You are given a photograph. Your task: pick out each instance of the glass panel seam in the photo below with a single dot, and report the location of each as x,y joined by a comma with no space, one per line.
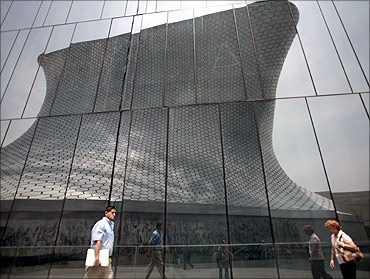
335,47
19,182
225,191
303,51
321,157
64,199
266,188
240,56
255,53
350,42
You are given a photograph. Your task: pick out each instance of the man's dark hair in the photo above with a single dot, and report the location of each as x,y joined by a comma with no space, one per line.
308,228
109,208
159,224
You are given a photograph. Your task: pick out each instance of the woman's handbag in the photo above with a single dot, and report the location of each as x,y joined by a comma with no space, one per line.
349,256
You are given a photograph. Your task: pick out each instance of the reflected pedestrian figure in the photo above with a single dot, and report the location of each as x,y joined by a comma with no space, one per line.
155,251
222,258
187,258
316,255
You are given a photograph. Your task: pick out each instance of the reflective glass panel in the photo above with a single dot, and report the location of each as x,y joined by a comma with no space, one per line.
131,64
13,155
274,33
342,127
142,6
253,261
17,93
7,260
357,28
48,77
131,7
218,67
180,76
7,42
192,4
82,69
41,16
47,168
247,199
295,180
151,6
114,9
366,99
248,54
21,15
167,5
85,10
4,127
58,12
13,58
327,72
114,66
69,262
196,212
127,260
353,70
144,186
32,262
149,85
60,38
5,5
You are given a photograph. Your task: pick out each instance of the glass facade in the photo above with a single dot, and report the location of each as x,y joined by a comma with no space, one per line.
235,123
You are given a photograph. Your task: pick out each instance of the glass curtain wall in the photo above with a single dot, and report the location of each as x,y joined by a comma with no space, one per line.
233,123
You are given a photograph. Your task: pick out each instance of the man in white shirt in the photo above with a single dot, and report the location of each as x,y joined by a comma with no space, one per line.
102,237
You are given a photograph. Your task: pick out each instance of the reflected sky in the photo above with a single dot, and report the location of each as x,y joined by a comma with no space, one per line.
293,138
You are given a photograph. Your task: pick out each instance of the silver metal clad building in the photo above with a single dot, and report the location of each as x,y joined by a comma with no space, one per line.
176,114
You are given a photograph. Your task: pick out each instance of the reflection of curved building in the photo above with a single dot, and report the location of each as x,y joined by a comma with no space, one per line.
81,80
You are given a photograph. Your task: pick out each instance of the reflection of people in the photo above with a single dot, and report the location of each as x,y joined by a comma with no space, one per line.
316,255
341,239
222,258
155,250
102,237
261,250
187,258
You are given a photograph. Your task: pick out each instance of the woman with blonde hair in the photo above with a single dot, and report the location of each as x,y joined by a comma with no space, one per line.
340,239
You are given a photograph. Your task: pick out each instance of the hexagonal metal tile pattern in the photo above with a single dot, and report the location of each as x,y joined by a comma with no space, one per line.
283,192
13,157
243,166
53,64
218,67
120,165
195,173
47,168
274,31
149,79
194,156
145,178
248,54
91,173
110,89
131,70
180,85
79,82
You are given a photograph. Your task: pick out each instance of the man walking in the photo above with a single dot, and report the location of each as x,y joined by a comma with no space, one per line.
156,242
102,237
316,256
